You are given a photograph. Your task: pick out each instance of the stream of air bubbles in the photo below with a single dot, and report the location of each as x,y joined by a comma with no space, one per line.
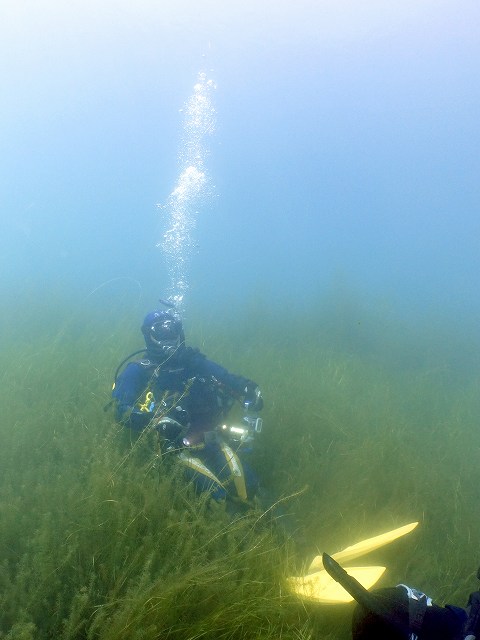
181,209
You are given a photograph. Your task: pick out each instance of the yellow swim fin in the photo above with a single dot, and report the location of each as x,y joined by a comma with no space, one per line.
320,587
363,547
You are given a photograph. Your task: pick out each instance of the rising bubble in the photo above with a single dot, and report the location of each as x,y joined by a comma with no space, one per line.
184,201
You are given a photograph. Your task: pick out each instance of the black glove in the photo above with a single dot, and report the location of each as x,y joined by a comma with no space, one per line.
170,429
173,426
253,397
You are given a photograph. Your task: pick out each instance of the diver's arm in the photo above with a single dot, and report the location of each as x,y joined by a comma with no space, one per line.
126,393
241,388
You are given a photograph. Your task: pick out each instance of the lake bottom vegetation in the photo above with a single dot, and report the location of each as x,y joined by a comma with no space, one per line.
370,422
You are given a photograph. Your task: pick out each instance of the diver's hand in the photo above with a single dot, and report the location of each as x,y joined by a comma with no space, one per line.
169,428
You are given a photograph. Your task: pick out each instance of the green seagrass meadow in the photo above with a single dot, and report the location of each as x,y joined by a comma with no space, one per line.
370,422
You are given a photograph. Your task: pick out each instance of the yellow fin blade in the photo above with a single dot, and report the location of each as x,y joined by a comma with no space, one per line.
363,547
320,587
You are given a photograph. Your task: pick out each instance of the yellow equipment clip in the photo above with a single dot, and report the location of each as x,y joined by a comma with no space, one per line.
147,406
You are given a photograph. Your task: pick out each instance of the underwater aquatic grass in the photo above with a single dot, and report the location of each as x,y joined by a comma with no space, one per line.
101,538
377,421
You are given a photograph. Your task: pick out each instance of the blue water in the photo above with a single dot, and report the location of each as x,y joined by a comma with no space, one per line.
345,148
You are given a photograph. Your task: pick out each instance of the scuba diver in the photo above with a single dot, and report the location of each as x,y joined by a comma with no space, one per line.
403,613
185,397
